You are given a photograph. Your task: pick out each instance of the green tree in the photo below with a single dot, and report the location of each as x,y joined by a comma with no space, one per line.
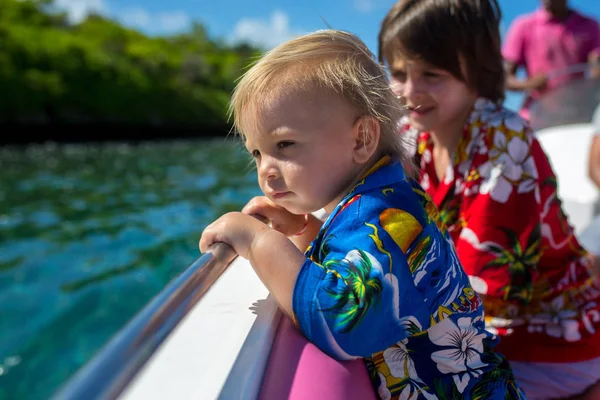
99,71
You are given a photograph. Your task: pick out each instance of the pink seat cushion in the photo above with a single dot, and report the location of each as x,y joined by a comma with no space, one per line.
298,370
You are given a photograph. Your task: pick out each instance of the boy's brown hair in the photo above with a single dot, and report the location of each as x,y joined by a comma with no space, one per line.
446,34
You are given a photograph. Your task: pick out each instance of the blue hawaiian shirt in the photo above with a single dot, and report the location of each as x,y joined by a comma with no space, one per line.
382,282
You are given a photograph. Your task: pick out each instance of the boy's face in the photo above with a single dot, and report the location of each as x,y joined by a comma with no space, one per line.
435,99
303,145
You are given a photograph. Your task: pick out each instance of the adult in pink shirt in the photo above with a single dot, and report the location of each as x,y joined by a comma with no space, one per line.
552,38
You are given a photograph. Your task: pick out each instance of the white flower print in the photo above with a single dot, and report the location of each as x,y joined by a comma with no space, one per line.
449,175
459,186
410,141
463,347
410,135
474,116
427,156
478,284
491,329
512,121
481,145
509,319
463,167
383,391
494,118
491,174
556,321
510,164
399,362
471,190
425,184
484,105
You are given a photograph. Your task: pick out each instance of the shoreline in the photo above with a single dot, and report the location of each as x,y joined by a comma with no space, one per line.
15,134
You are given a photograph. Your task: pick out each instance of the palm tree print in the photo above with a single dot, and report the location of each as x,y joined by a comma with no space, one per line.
358,293
522,262
502,376
449,210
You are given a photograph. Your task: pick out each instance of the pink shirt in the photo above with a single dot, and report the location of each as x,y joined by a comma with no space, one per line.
543,44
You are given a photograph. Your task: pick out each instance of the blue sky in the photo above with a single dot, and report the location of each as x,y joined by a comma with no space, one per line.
269,22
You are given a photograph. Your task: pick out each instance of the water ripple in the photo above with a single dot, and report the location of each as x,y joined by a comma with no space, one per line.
89,233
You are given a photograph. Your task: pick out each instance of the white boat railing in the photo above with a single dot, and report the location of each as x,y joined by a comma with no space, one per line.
573,102
571,69
108,374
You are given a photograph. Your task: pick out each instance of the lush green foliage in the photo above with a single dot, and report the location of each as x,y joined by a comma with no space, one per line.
99,71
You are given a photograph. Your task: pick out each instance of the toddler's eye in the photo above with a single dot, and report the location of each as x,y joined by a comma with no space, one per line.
255,153
284,144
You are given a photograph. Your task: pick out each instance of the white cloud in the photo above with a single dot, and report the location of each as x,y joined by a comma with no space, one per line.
173,21
264,33
78,10
166,22
364,6
136,17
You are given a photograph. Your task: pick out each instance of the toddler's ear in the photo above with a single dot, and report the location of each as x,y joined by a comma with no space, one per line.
368,132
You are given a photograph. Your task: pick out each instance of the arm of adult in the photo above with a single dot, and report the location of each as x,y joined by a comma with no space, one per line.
513,82
594,161
513,52
594,61
594,50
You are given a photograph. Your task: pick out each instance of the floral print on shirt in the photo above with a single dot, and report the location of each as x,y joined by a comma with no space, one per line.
382,281
499,202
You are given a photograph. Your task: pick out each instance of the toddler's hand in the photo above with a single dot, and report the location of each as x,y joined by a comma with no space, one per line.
280,218
235,229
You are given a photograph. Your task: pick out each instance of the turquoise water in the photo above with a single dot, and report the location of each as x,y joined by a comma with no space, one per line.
88,234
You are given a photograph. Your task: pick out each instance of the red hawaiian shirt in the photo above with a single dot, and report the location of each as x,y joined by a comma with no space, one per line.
499,202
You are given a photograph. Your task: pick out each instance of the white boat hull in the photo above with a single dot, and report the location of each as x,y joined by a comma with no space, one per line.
568,149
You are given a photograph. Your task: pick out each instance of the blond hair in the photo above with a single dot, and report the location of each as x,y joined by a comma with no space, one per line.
331,60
